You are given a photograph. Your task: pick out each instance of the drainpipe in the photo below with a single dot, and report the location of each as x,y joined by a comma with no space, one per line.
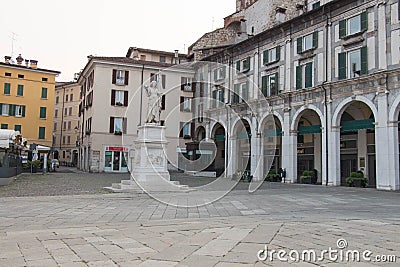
326,100
141,97
62,117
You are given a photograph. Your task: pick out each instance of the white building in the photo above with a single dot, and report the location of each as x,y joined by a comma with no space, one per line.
331,77
114,104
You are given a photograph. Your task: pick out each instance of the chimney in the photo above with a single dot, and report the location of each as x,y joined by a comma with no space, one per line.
26,62
34,64
19,59
135,53
176,56
7,59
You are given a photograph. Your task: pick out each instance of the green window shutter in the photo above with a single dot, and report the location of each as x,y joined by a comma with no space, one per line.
299,77
238,65
20,91
265,57
215,75
315,39
17,128
44,92
278,53
342,28
7,89
246,66
42,132
342,62
42,112
235,99
276,83
308,75
1,109
364,21
364,60
221,96
299,45
264,85
11,110
23,111
245,92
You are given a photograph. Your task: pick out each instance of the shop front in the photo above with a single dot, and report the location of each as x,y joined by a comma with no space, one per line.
116,159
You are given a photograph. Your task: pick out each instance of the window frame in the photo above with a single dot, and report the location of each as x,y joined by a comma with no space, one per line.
20,88
7,86
44,92
120,80
44,133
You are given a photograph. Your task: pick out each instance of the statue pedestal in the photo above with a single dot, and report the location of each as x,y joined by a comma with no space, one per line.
149,165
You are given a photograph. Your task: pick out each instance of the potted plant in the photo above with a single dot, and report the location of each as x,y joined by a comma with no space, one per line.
307,176
118,133
272,176
357,179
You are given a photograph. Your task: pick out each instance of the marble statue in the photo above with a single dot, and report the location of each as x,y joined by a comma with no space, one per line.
154,107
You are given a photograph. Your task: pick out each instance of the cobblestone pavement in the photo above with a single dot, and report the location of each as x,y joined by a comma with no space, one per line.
136,230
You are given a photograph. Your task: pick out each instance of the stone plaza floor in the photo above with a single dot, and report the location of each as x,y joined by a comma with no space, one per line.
73,227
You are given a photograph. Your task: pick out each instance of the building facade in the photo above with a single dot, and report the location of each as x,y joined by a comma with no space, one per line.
331,79
114,104
66,126
27,99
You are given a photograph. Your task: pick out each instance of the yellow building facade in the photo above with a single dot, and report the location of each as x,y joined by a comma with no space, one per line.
27,100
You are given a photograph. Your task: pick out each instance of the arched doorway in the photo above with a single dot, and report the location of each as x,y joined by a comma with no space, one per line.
272,146
309,147
200,133
357,142
219,137
242,134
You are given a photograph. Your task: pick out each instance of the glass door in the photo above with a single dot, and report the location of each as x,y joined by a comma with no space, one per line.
124,165
116,161
108,161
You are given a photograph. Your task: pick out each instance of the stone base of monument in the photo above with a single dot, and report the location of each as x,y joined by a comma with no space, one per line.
149,165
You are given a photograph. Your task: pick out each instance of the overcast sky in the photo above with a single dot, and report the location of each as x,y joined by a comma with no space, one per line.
61,34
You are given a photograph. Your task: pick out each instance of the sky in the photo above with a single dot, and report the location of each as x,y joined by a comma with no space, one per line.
61,34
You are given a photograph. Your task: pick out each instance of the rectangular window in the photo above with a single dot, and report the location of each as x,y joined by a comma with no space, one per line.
21,76
184,130
353,25
44,79
65,111
7,88
243,65
55,126
66,98
5,109
42,133
186,84
70,111
117,125
43,112
219,73
186,104
316,5
71,97
68,139
353,63
65,125
270,85
4,126
307,42
304,76
57,99
19,111
119,98
163,99
44,93
218,98
56,113
272,55
120,77
63,141
7,74
18,128
20,90
69,125
163,59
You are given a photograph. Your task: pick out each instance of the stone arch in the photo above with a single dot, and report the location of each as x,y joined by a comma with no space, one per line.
395,109
213,127
274,113
337,115
297,116
235,123
198,130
